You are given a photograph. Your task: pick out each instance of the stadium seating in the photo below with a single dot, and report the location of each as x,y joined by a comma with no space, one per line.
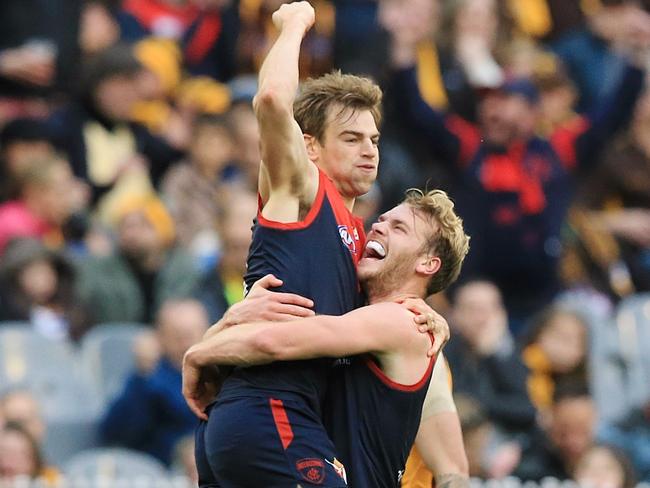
107,356
116,467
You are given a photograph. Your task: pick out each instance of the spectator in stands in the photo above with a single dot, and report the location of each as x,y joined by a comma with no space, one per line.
484,360
37,285
47,196
570,431
38,54
489,453
205,30
555,351
514,187
247,142
21,142
114,155
150,414
223,285
256,38
594,50
191,189
19,406
20,454
603,466
620,377
618,196
145,269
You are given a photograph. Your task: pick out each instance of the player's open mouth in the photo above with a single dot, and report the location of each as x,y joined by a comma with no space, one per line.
374,250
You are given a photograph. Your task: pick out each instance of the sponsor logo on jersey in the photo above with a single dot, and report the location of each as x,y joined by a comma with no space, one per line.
400,475
312,470
348,240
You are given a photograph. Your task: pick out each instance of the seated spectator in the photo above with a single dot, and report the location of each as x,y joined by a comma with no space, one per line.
21,142
603,466
47,196
489,454
37,285
620,374
20,454
19,406
191,189
151,414
556,351
569,431
223,285
483,359
145,269
114,155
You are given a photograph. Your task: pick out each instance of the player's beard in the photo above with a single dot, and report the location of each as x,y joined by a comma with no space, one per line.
392,275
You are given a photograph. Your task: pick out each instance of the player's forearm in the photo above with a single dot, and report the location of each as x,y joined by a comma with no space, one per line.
452,480
278,77
240,346
215,329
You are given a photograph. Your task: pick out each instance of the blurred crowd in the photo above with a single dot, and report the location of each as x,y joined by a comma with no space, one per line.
128,174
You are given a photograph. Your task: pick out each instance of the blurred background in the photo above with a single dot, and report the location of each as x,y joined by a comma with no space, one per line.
128,170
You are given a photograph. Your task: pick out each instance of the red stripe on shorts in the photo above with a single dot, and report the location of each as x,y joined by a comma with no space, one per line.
281,422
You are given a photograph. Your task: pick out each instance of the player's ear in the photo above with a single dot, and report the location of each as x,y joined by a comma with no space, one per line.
428,265
313,147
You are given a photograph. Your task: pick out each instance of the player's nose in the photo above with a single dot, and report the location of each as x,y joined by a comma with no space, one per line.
378,228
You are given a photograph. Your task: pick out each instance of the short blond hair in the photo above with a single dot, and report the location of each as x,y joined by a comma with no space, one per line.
449,242
317,95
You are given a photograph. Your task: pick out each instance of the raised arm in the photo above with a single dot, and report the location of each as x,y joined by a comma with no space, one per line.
285,165
609,115
408,29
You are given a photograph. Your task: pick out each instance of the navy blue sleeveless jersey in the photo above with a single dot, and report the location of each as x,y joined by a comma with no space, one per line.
315,258
373,421
265,429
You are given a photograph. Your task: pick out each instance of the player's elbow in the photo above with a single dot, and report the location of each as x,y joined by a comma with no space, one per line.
272,101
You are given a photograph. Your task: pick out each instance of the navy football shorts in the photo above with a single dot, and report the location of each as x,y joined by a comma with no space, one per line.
265,442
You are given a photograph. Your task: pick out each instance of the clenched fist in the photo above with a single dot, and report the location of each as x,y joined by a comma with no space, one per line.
298,14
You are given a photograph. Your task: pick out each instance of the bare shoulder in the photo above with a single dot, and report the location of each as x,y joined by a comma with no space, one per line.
399,321
389,312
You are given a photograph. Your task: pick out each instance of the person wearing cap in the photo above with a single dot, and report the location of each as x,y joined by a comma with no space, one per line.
513,185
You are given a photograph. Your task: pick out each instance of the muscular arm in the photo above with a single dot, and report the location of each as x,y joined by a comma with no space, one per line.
286,167
375,329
